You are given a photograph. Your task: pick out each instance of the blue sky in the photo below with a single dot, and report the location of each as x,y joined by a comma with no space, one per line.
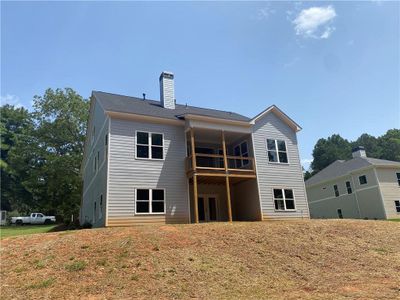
332,66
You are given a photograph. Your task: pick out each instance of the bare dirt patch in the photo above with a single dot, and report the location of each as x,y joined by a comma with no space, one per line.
277,260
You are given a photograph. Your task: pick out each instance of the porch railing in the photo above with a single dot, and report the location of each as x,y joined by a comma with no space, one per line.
215,162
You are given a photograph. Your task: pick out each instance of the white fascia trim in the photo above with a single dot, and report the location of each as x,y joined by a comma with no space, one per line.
339,177
279,113
137,117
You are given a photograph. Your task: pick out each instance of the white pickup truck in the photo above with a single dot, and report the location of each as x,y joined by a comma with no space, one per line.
34,218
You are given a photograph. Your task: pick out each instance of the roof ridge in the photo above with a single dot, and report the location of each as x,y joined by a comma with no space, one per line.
178,104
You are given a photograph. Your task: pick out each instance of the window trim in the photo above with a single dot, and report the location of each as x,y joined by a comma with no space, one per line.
149,145
284,199
277,151
336,190
359,179
349,187
241,154
397,206
150,201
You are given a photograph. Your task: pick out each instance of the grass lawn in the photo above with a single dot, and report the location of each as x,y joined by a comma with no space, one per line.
7,231
394,220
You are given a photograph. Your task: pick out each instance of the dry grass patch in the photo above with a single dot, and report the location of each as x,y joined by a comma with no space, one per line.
277,260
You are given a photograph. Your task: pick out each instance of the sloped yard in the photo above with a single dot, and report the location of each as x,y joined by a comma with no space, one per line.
328,259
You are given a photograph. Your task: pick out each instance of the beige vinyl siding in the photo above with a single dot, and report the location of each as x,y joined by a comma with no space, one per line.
273,175
365,201
128,173
95,182
245,201
390,190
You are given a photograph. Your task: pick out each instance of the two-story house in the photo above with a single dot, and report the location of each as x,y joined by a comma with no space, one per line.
360,188
149,161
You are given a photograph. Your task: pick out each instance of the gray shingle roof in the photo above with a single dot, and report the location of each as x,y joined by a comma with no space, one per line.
126,104
341,167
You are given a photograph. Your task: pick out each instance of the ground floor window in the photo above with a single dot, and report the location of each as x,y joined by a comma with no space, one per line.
284,199
397,205
340,214
150,201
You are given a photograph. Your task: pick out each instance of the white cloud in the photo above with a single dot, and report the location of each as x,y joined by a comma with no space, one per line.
315,22
11,99
306,162
265,12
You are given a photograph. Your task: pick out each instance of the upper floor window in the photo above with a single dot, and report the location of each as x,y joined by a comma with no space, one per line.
348,186
284,199
362,179
277,151
150,201
397,205
335,188
243,151
398,178
149,145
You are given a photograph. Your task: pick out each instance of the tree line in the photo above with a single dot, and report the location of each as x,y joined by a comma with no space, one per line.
41,154
333,148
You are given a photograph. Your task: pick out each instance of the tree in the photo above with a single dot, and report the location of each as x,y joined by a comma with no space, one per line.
326,151
370,143
15,124
335,147
51,155
390,145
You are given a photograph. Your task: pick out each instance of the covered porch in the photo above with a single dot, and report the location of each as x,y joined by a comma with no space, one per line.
222,176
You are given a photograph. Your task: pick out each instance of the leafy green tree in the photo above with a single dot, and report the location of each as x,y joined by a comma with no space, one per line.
15,123
51,155
326,151
370,143
390,145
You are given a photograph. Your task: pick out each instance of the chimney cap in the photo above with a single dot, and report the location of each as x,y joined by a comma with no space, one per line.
167,74
358,148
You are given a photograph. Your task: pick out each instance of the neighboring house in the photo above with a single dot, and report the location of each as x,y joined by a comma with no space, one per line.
139,165
360,188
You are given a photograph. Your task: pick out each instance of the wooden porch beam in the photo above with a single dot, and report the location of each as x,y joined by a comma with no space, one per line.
195,199
193,148
228,190
228,199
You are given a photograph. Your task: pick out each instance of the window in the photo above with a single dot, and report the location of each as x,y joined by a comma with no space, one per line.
101,207
94,212
340,214
149,145
150,201
335,188
277,151
397,205
398,178
284,199
362,179
94,163
105,146
348,186
98,159
241,150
